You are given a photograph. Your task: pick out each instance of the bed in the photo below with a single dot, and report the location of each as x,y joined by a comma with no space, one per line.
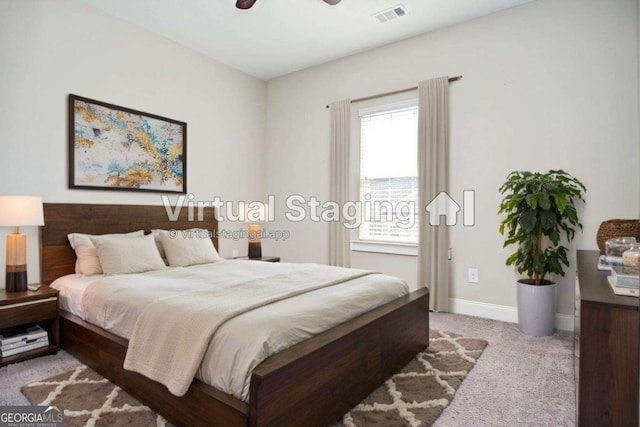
311,383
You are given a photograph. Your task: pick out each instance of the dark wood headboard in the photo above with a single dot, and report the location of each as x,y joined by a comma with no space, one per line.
57,258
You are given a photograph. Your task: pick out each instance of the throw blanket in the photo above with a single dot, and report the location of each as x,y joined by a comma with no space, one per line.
172,334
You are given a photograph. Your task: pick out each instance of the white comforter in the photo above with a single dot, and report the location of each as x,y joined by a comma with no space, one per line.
240,344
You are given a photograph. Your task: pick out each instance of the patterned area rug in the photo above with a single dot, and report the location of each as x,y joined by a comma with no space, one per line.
415,396
90,400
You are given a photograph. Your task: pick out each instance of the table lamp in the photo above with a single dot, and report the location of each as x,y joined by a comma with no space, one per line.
255,212
255,242
17,211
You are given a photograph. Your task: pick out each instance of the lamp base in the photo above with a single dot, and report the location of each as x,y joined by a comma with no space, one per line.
255,250
16,277
15,281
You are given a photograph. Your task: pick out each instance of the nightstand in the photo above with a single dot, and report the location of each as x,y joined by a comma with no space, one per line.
262,258
28,308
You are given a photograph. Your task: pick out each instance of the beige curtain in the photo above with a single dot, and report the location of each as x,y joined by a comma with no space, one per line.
339,241
433,162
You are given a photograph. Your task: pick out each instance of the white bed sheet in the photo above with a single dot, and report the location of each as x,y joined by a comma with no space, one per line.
243,342
71,288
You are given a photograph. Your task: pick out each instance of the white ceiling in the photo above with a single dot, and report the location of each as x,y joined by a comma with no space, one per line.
277,37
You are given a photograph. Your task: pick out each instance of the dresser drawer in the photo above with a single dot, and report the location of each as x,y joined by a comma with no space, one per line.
28,312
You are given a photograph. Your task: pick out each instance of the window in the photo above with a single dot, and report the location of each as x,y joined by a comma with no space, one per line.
389,173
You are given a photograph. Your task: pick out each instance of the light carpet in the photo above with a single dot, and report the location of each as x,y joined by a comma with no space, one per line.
519,380
415,396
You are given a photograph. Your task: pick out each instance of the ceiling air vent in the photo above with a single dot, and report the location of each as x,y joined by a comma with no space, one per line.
392,13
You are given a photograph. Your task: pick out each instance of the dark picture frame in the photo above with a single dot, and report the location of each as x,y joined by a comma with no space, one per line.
118,148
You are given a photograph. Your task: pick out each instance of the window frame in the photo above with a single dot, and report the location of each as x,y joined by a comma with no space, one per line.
379,105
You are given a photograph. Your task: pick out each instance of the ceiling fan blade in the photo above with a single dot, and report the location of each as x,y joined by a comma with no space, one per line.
246,4
332,2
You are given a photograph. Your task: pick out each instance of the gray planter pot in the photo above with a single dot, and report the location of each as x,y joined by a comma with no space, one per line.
536,309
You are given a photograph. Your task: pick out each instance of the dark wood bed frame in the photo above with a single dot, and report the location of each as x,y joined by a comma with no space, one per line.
312,383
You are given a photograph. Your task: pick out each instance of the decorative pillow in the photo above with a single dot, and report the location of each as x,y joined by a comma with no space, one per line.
189,247
129,255
87,262
157,236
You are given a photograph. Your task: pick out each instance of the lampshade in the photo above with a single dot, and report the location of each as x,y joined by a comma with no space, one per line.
16,211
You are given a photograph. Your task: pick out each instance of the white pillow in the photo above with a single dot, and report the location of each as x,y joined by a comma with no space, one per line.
87,261
157,236
128,255
188,247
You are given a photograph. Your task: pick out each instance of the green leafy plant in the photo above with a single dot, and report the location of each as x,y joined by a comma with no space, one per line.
540,208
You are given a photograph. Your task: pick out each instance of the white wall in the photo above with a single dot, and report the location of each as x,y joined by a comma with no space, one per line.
50,48
551,84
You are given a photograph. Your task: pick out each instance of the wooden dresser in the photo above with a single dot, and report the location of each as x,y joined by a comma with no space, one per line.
606,349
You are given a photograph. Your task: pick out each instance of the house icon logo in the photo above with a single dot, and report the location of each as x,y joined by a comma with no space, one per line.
444,205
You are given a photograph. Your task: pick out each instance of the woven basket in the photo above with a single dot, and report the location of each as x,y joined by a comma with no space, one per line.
617,228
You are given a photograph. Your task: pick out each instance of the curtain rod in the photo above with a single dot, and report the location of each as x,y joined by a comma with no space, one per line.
395,92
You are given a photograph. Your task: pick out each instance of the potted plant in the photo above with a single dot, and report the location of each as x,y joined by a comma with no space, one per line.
541,216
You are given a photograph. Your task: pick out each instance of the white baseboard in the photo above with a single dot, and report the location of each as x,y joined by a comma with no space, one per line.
504,313
565,322
483,309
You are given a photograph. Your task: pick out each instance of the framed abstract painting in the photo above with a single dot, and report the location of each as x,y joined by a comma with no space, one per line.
117,148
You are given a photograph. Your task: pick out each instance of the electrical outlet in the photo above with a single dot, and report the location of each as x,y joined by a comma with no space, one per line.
473,275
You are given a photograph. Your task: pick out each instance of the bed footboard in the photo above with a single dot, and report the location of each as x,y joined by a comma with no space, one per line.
317,381
104,352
